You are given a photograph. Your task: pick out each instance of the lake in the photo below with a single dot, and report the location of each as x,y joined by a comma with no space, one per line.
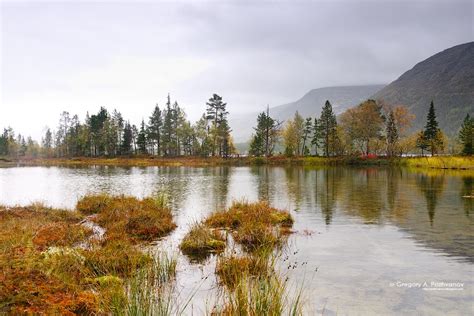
375,240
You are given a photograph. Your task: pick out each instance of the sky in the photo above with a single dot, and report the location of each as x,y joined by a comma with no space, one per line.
77,56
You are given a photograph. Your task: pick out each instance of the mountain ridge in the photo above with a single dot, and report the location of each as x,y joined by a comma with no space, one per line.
310,104
446,78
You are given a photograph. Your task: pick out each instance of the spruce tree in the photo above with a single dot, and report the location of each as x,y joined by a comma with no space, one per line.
466,136
328,126
141,139
127,139
266,135
155,126
431,129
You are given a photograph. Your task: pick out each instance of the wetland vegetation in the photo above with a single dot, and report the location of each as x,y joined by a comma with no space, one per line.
55,261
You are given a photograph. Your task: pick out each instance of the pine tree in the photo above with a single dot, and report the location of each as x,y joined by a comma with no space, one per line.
466,136
256,147
257,144
392,134
216,112
127,139
431,130
155,126
308,128
316,137
48,139
4,143
168,128
141,139
328,125
266,135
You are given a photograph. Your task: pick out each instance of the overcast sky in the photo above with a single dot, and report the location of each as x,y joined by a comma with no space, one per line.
79,56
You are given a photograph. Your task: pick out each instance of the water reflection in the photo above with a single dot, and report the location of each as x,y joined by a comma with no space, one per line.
431,187
467,194
327,191
374,225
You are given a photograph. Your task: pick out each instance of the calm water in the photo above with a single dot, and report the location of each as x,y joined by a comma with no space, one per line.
369,232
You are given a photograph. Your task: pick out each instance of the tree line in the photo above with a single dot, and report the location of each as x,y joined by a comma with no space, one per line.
167,132
371,128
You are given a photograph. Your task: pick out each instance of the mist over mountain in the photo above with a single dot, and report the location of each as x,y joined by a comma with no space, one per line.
310,104
447,78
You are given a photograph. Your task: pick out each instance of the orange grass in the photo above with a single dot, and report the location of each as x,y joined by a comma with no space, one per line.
43,271
145,219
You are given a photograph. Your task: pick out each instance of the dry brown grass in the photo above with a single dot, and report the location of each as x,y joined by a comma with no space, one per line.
145,219
43,272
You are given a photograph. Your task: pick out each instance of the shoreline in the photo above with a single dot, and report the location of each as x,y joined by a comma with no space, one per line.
438,162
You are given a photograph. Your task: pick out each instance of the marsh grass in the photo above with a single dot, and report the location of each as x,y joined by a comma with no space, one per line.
231,269
150,291
440,162
201,241
248,280
252,285
253,225
146,219
44,271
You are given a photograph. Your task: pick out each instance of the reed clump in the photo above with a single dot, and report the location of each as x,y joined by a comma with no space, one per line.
231,269
254,286
201,240
254,225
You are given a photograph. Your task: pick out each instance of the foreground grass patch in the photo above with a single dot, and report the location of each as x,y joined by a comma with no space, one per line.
252,285
44,267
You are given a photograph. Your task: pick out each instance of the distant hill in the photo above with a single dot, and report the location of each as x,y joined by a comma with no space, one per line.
310,104
447,78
